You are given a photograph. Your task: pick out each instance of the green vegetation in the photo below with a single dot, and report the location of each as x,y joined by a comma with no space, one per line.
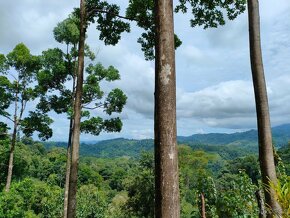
283,194
123,185
228,146
212,175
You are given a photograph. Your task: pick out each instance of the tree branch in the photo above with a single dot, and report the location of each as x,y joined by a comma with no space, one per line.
23,105
6,116
91,101
92,108
12,76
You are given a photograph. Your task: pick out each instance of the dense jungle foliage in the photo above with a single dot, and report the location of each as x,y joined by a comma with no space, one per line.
123,185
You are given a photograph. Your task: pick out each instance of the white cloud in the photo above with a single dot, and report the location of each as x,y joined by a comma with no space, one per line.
226,99
231,104
193,54
137,78
142,134
212,67
31,22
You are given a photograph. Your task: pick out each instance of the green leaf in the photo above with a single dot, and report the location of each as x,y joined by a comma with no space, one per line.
211,13
143,13
3,64
113,125
92,126
37,121
67,31
115,101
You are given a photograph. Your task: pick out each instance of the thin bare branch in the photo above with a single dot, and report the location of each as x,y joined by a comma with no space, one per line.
6,116
92,108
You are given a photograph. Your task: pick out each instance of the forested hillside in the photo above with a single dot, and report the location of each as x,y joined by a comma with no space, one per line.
124,186
137,69
227,145
281,136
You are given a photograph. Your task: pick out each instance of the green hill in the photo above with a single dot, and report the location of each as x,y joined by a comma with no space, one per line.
111,148
226,145
281,136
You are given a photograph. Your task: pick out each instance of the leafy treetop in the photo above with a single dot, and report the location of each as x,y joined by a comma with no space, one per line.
17,86
206,13
107,18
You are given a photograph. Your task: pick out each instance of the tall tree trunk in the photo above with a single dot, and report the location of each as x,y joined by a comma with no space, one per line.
12,145
202,205
68,153
77,116
166,161
11,155
68,167
266,156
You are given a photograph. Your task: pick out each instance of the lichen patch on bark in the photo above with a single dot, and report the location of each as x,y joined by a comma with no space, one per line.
165,74
171,156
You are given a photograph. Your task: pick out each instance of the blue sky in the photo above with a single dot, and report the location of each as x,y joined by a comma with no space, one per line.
214,87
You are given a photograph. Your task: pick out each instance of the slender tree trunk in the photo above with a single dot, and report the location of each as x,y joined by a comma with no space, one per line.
166,161
266,156
12,145
261,205
11,155
68,154
202,205
77,116
68,166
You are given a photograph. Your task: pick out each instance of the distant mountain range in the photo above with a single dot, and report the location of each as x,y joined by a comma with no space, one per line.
227,145
281,136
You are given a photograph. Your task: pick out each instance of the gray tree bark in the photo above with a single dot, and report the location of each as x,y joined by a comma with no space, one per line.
266,155
166,160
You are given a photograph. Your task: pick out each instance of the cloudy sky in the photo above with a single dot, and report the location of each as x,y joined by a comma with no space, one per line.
214,88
